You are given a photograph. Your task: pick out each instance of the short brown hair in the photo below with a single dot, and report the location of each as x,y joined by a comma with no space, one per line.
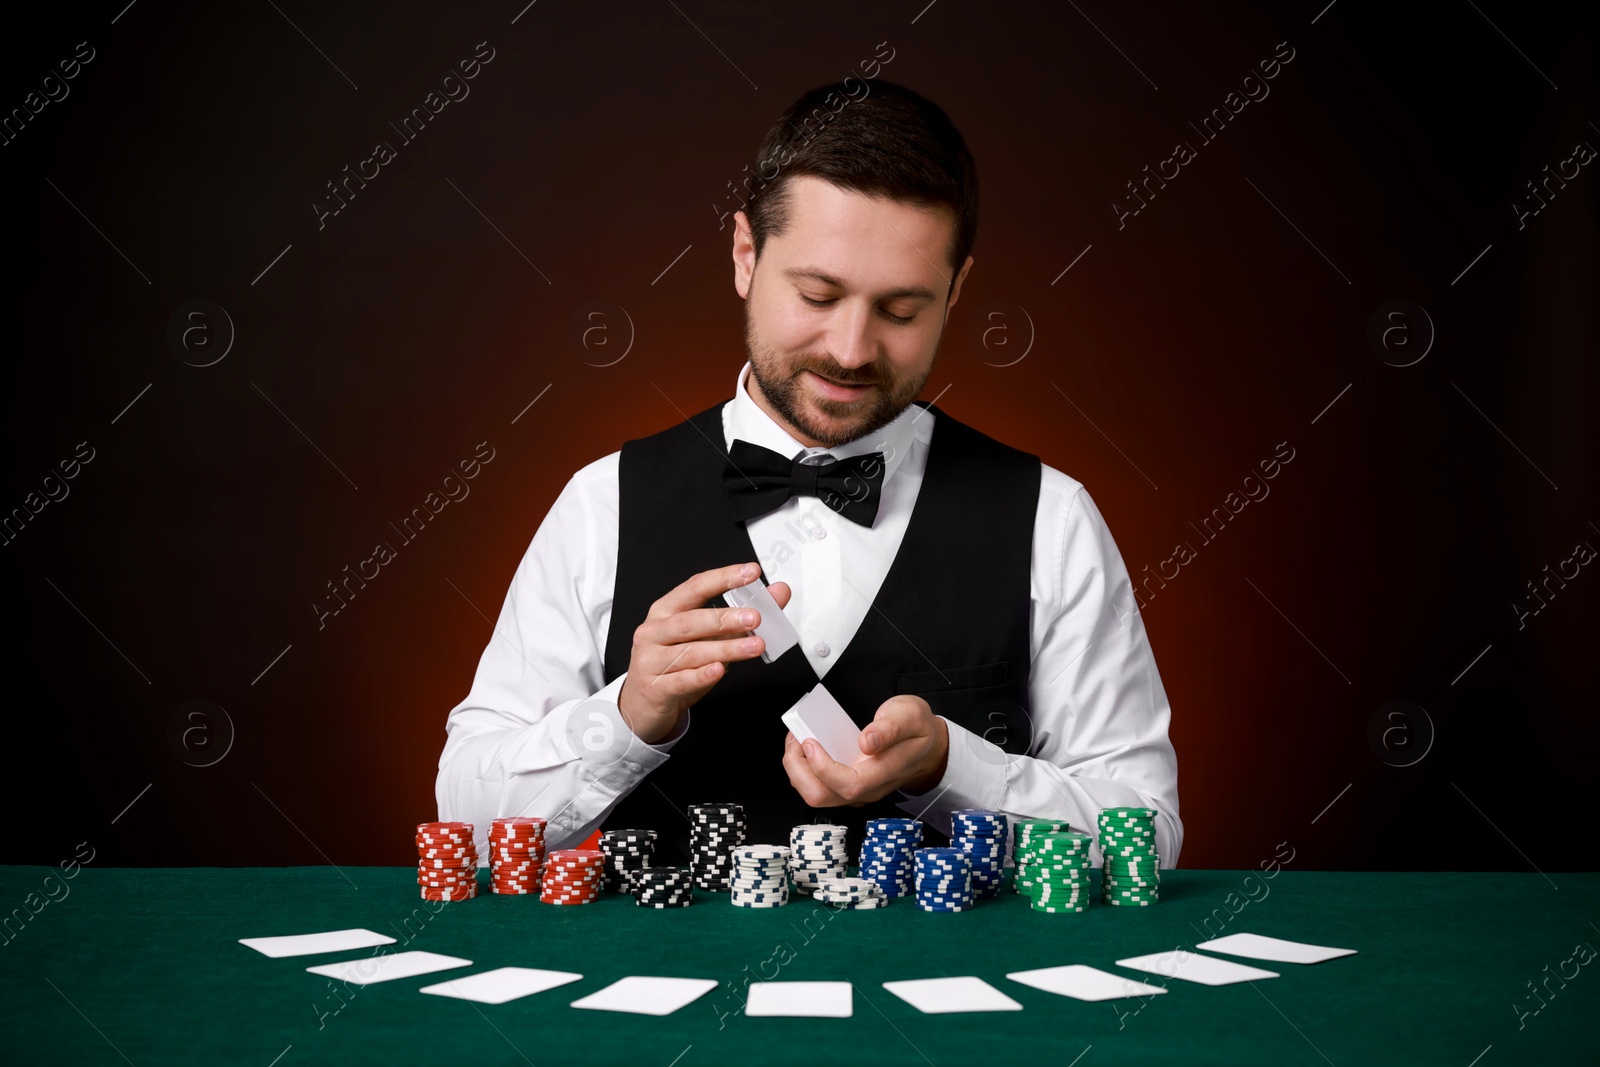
891,142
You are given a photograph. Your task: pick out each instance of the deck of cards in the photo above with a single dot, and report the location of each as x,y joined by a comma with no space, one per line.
818,716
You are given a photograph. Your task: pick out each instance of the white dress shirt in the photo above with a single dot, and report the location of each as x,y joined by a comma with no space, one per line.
1098,709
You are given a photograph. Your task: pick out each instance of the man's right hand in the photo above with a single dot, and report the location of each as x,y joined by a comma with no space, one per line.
680,649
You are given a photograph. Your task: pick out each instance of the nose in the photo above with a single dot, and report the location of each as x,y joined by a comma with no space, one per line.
851,343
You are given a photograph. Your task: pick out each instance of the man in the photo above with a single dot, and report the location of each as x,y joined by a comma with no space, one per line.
957,596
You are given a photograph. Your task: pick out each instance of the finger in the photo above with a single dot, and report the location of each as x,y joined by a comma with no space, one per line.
892,724
689,682
694,655
700,623
841,779
805,782
695,591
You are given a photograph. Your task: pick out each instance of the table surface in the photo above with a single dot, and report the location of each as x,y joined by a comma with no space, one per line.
144,966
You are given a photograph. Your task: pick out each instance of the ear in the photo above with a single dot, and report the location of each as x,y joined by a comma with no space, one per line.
955,290
744,255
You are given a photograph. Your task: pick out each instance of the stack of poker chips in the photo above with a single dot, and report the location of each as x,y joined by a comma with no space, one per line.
572,876
1058,867
858,894
886,855
1132,866
819,852
516,855
981,834
626,851
716,830
1024,831
662,887
447,861
944,879
760,876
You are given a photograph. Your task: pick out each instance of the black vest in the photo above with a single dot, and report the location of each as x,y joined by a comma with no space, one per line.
950,623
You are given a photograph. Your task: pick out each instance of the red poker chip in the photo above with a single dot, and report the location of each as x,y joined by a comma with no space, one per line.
424,827
586,854
512,822
447,865
429,893
557,891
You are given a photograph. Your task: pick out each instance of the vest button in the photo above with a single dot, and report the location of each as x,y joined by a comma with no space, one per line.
822,648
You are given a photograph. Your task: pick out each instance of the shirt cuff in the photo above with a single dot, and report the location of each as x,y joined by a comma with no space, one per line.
613,755
974,776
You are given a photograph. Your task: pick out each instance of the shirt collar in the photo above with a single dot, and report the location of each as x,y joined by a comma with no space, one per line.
744,420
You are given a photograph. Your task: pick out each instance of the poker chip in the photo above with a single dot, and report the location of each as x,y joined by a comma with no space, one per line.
626,851
663,887
981,834
516,855
760,876
855,894
1130,860
944,879
447,861
572,876
715,831
886,855
1023,833
1053,871
817,851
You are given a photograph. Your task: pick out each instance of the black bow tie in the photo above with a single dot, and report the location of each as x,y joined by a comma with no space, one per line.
757,480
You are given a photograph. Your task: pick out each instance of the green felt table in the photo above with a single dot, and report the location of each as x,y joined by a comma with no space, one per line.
144,966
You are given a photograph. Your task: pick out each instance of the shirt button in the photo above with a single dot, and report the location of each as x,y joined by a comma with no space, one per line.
819,533
822,648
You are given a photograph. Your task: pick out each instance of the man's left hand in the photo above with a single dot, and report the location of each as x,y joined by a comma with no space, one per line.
906,747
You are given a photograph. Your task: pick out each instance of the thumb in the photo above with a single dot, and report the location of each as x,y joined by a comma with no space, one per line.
884,730
780,593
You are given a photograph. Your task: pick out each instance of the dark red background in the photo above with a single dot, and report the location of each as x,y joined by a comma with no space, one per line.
1196,339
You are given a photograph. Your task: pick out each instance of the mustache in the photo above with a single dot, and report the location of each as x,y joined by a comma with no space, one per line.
846,378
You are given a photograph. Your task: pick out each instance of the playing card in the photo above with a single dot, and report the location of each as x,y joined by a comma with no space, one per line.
388,967
310,944
831,1000
1258,947
501,984
1084,983
939,996
817,715
642,995
775,630
1193,967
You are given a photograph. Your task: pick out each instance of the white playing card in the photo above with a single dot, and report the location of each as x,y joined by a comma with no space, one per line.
828,1000
776,632
1259,947
939,996
501,984
310,944
817,715
644,995
1193,967
388,967
1084,983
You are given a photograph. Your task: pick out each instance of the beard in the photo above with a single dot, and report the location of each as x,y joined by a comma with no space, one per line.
850,420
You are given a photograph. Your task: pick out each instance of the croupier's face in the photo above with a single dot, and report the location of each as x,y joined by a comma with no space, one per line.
844,309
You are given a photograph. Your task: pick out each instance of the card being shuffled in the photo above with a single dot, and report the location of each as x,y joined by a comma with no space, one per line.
817,715
775,629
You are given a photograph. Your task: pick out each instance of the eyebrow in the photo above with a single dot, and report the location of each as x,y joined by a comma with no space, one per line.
920,292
